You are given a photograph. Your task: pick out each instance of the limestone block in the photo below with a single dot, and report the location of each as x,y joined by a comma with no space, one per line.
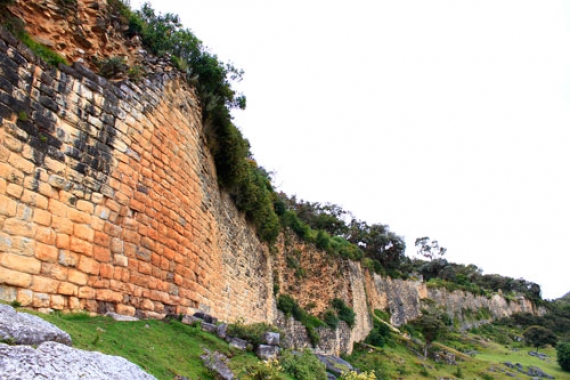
15,278
20,263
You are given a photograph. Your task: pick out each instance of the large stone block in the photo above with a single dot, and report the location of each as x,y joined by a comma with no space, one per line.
15,278
20,263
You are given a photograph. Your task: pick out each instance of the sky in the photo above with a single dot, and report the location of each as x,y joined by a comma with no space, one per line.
447,119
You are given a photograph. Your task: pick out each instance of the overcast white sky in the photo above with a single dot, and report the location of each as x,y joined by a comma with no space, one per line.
449,119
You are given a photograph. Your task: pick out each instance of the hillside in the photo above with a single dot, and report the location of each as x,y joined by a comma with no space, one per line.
126,188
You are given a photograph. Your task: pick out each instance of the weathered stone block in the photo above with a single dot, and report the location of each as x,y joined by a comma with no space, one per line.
238,343
44,285
211,328
88,265
270,338
265,352
19,227
20,263
15,278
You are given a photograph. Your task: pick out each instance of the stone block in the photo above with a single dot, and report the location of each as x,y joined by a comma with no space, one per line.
211,328
15,278
81,246
84,232
125,310
62,225
270,338
121,260
20,263
8,293
108,295
57,302
86,292
42,217
222,331
68,289
40,300
19,227
34,199
206,317
67,258
77,277
44,284
238,343
88,265
265,352
46,252
7,206
25,297
45,235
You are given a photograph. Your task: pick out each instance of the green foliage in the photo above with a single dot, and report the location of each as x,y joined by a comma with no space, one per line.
290,307
15,304
538,336
383,315
353,375
112,67
49,56
379,335
345,313
268,370
303,365
252,332
563,355
22,116
331,319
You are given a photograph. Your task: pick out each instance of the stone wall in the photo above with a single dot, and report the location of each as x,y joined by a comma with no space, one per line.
405,299
109,199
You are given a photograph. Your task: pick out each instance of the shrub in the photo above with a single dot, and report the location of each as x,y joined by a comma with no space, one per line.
353,375
290,307
563,355
303,366
112,67
379,335
331,319
345,313
264,370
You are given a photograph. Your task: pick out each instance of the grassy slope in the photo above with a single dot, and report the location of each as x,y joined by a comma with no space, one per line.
162,349
402,359
169,349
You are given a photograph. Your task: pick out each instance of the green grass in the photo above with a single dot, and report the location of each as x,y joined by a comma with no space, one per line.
162,349
169,349
402,359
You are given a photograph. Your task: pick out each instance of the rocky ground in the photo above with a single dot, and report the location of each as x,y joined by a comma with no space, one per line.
32,348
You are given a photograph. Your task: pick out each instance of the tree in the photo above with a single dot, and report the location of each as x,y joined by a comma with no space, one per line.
432,328
563,355
429,249
538,336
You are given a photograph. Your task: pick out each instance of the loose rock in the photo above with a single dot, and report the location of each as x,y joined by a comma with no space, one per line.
56,361
22,328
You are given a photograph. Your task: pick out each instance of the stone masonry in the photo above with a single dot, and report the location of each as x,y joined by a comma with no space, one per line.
108,199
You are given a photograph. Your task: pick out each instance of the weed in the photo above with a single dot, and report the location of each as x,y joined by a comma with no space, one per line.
22,116
15,304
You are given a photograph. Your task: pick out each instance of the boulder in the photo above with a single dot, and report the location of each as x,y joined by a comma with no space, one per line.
222,331
206,317
217,363
190,320
22,328
209,327
52,360
270,338
335,365
265,352
238,343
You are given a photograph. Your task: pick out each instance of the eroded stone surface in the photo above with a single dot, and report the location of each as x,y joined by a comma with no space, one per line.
22,328
55,361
